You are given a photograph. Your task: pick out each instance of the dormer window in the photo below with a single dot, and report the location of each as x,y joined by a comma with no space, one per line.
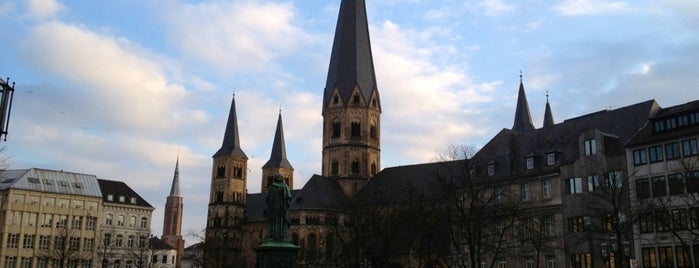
336,100
550,159
530,163
356,99
591,147
491,169
122,199
133,200
110,197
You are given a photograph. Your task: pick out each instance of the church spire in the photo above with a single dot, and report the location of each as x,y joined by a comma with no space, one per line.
231,140
351,62
278,156
548,116
175,188
523,119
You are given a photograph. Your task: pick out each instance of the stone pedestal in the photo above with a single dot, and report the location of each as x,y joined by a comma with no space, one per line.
276,254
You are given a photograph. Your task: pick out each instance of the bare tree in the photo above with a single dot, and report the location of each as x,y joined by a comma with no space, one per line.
63,249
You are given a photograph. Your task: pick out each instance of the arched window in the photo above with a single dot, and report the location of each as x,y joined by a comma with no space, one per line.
373,169
356,129
372,131
335,167
312,246
220,171
219,196
336,128
355,166
356,99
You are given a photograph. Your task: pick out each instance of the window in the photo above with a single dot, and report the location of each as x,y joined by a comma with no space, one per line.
658,185
659,126
526,193
77,223
108,219
355,99
640,157
593,182
120,220
74,243
550,159
581,261
144,222
576,224
530,163
110,197
90,223
665,257
44,241
334,167
574,186
675,183
655,153
614,180
130,241
42,262
491,169
372,132
694,218
221,171
31,221
119,240
336,128
642,189
646,222
591,147
25,262
356,129
62,221
10,261
546,188
336,99
88,244
548,223
355,166
689,147
132,221
60,242
550,261
672,151
528,262
28,241
679,219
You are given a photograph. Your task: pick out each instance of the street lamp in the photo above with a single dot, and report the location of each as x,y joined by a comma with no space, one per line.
7,93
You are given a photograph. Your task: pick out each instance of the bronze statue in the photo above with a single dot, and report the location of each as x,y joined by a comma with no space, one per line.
278,203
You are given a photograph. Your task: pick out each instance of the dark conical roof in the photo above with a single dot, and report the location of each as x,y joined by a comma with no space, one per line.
351,61
231,140
175,188
278,156
548,116
523,119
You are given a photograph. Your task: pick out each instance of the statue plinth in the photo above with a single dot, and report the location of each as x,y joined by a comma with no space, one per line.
275,254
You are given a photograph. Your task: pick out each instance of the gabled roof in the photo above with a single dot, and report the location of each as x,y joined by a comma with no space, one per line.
159,244
319,193
51,181
278,156
231,139
351,62
118,189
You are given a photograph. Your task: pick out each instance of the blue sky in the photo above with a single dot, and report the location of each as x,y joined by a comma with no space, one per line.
119,88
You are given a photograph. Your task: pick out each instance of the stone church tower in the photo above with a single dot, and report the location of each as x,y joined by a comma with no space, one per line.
277,163
227,199
172,222
351,104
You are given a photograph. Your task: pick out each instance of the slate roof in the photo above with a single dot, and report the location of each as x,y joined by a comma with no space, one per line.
231,139
278,156
509,149
523,118
159,244
118,189
319,193
646,135
548,115
51,181
351,61
175,188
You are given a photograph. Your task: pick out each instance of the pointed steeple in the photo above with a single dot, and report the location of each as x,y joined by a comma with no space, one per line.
351,62
548,116
175,188
278,156
231,140
523,119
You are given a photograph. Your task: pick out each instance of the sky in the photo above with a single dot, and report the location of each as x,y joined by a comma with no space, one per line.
121,89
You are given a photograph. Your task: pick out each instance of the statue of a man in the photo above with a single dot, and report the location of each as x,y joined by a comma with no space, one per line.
278,202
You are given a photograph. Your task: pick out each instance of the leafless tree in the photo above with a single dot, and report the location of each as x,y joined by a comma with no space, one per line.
63,249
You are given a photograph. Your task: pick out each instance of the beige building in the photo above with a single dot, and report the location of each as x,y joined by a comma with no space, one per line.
125,218
663,163
48,218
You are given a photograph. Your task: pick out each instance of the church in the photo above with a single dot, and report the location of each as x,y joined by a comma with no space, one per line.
520,201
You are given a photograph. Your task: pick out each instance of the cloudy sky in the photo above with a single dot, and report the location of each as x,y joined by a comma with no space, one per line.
119,88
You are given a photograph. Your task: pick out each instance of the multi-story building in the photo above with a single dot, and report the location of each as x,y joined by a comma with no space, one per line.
124,226
663,166
48,218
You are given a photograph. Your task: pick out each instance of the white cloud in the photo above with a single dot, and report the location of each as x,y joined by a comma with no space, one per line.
119,87
496,7
588,7
43,9
240,35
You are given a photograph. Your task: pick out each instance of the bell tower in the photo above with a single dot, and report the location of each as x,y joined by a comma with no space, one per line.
277,163
227,197
351,103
